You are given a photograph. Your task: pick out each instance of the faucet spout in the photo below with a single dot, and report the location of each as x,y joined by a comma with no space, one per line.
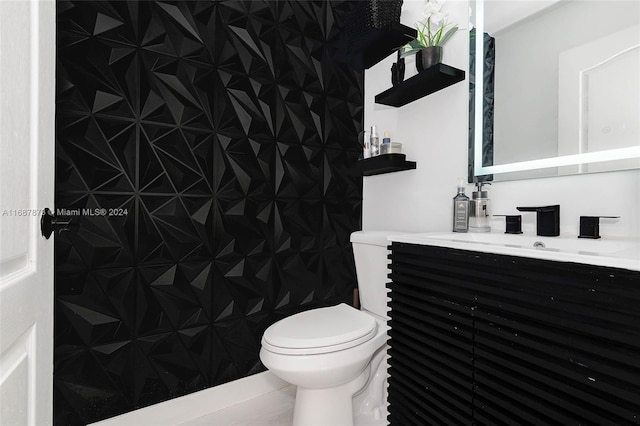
547,219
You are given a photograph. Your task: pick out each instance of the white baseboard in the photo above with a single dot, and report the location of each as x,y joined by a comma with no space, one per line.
198,404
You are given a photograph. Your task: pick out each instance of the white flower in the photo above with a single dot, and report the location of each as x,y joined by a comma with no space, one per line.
431,8
438,3
438,18
435,29
433,12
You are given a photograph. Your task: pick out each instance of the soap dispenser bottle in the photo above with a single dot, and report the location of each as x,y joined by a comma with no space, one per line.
480,210
460,210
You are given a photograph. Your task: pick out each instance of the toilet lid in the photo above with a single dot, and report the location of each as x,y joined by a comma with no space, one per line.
320,330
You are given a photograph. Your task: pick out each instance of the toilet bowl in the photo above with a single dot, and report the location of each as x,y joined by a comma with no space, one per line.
327,352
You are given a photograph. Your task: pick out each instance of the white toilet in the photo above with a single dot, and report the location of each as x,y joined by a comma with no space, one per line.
334,353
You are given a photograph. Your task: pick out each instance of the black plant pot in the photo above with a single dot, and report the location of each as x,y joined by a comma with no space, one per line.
428,57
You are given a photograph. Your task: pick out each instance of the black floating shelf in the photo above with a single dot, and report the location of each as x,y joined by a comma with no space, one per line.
385,163
422,84
377,44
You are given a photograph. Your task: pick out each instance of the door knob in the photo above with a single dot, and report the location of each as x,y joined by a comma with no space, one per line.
49,223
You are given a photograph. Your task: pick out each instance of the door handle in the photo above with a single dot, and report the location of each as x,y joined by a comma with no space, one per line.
49,223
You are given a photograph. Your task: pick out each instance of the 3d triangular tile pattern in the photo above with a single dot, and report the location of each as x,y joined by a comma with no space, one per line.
205,154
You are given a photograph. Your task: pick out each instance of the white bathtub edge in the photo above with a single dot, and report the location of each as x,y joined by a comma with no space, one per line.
198,404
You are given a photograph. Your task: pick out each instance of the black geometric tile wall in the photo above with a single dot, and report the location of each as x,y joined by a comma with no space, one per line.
212,144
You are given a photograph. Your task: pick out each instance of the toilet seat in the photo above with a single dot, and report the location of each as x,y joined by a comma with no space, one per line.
320,331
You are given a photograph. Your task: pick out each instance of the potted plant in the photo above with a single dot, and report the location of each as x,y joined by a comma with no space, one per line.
433,32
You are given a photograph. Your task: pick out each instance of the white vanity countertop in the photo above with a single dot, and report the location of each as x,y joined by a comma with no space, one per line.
613,252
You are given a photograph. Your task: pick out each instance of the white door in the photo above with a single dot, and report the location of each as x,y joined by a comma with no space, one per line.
27,96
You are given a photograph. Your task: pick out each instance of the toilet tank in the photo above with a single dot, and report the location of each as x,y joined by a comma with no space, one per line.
370,253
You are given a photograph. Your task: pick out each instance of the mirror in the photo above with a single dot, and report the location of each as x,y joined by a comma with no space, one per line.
554,88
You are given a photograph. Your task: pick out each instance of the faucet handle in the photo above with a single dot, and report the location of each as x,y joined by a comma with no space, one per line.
513,223
590,226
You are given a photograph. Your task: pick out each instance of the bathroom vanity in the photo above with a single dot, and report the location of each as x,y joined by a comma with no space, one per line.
489,330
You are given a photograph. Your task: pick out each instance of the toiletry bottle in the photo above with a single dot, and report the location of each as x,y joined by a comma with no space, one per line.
367,148
460,210
480,210
387,137
375,142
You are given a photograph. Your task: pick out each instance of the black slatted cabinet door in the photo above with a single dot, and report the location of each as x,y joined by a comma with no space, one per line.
559,344
431,343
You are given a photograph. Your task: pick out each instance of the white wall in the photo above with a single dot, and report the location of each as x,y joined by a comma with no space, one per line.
433,131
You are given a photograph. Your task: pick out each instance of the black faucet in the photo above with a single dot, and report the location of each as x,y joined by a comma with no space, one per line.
547,219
